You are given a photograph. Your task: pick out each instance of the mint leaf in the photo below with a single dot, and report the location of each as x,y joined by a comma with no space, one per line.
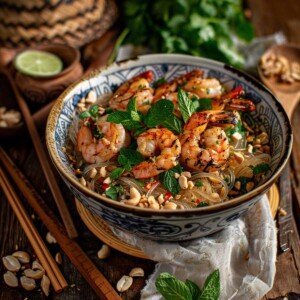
94,110
194,289
169,181
261,168
118,117
172,288
186,106
158,112
116,173
203,104
173,123
135,116
112,192
132,106
211,288
129,157
84,115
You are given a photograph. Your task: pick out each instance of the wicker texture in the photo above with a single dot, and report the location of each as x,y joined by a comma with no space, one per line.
70,22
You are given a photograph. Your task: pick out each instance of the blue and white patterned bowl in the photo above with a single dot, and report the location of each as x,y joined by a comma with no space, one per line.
163,225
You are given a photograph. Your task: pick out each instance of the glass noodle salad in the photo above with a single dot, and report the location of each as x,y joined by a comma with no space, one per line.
168,145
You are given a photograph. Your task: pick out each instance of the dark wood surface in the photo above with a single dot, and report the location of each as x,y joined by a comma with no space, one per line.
268,16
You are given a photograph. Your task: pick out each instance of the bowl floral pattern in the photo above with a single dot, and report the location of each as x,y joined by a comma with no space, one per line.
169,225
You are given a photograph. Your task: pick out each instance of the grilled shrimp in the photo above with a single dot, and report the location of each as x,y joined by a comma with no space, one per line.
162,147
232,101
203,147
100,150
137,87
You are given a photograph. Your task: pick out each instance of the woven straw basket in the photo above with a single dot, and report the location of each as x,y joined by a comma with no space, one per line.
27,23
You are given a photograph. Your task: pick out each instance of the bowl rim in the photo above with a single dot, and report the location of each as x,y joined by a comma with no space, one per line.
56,109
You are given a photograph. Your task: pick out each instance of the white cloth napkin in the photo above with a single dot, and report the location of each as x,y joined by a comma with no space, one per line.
244,253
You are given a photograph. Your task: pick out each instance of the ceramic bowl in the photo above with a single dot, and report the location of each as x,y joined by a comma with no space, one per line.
166,225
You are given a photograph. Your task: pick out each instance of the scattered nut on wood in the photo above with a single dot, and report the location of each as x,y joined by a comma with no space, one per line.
282,212
137,272
22,256
27,283
50,238
11,263
45,285
124,283
104,252
36,265
35,274
58,258
10,279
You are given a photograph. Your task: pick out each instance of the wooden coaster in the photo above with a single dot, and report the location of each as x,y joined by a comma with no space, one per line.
102,231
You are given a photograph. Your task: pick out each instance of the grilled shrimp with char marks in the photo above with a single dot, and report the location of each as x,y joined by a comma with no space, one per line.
103,149
163,148
137,87
205,148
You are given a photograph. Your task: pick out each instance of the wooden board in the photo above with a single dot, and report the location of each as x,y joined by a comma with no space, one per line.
102,231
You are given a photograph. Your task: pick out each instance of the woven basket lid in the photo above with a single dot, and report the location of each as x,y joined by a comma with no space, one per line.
28,23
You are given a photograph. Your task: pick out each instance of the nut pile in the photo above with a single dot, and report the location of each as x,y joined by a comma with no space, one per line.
279,67
21,273
126,281
9,118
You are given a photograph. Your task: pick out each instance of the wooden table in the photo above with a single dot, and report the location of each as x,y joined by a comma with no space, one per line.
268,16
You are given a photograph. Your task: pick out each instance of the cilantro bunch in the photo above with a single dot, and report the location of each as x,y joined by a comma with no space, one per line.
198,27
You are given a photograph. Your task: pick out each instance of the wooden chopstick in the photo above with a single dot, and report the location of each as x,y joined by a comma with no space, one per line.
76,255
44,161
57,279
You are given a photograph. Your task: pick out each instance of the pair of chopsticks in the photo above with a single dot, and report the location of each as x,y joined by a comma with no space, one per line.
57,279
44,160
76,255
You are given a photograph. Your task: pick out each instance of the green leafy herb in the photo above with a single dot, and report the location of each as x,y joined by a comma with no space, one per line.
174,289
203,104
186,106
211,288
112,192
173,123
198,183
116,173
94,110
124,118
169,181
84,115
260,168
202,204
158,113
201,28
129,157
239,127
159,82
194,289
132,106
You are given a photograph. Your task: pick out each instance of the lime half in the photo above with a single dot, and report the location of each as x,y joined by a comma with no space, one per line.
38,63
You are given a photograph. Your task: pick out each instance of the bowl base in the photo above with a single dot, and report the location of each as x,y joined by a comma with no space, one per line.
102,231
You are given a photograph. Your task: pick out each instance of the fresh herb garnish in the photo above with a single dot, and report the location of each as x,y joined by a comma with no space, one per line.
116,173
158,113
261,168
161,113
84,115
239,127
169,181
202,104
200,28
186,105
94,110
198,183
159,82
202,204
112,192
174,289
